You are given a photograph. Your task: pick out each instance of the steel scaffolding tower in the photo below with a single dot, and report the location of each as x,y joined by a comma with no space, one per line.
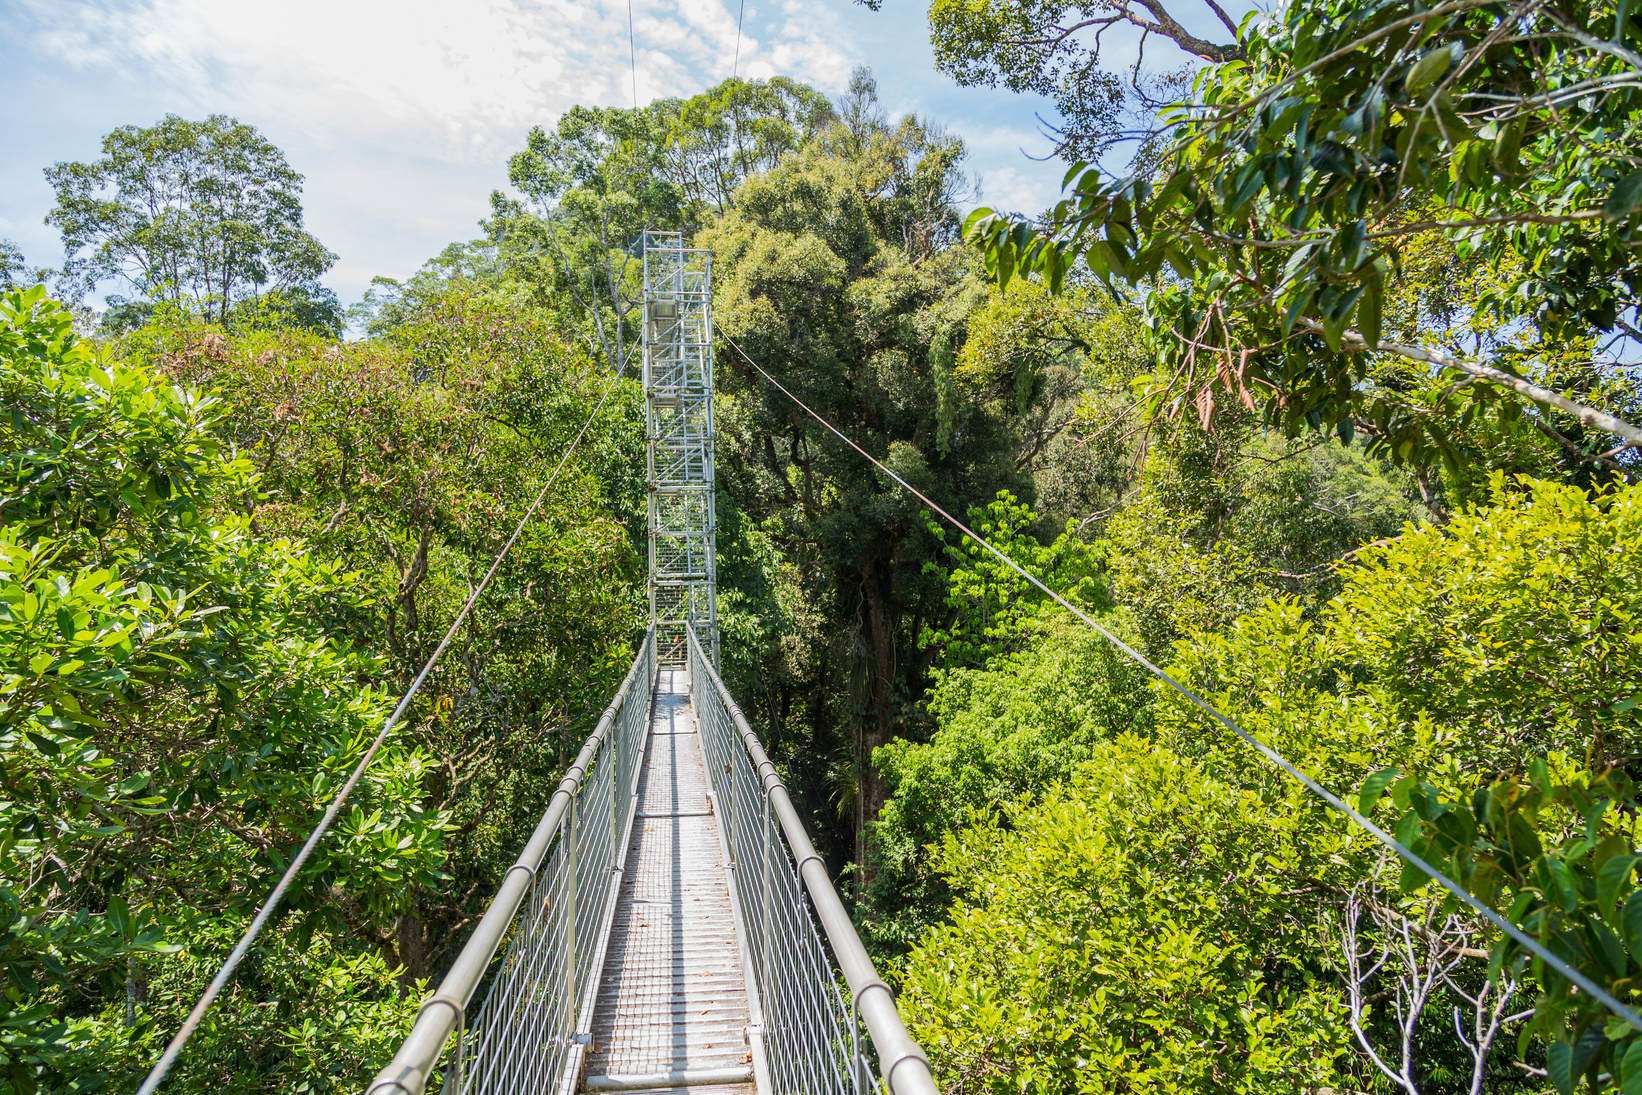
678,395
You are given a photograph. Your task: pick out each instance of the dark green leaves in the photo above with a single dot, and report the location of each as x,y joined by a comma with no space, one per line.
1352,137
1373,787
1623,199
1613,878
1428,68
1513,847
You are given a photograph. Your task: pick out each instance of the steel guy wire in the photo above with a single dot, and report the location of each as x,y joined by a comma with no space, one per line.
735,68
1529,942
632,55
157,1074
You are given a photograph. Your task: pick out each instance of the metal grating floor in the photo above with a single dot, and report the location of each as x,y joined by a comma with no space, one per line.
672,993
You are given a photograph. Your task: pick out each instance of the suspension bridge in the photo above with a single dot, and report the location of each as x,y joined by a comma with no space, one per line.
669,924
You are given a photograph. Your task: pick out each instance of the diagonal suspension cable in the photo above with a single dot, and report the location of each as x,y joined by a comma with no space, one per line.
157,1074
632,55
735,67
1538,949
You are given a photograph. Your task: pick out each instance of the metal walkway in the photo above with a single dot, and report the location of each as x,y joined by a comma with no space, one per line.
672,1003
669,926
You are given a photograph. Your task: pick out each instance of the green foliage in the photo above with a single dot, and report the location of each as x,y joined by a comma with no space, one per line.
1517,620
1106,936
996,610
1027,46
410,460
204,212
1453,639
178,694
1229,518
1555,853
835,273
1006,733
718,139
1296,180
1121,859
211,598
94,447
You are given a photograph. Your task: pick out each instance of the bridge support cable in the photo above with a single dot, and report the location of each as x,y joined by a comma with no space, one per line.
810,1035
1276,759
553,910
678,399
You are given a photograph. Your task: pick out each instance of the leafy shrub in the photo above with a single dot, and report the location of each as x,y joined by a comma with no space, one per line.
177,705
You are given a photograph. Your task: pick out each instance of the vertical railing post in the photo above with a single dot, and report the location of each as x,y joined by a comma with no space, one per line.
572,954
615,806
724,779
765,988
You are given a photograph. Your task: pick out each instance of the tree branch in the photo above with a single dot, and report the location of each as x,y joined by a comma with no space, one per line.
1170,28
1587,416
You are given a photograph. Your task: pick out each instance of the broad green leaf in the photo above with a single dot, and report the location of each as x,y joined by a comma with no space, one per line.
1630,918
1373,787
1624,198
1558,1062
1614,874
1631,1067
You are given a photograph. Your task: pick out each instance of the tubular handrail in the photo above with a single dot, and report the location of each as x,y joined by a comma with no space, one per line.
417,1058
903,1064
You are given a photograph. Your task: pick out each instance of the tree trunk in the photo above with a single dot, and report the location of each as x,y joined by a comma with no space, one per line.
871,793
413,951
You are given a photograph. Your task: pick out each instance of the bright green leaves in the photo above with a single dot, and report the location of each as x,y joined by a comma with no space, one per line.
1373,786
1100,228
1555,854
1450,651
94,443
1475,623
172,689
1104,935
1429,67
996,611
1012,248
1297,181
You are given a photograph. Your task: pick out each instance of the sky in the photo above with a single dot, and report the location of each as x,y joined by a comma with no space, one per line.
402,113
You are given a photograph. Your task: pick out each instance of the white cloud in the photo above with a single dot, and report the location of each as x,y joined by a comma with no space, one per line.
808,46
402,113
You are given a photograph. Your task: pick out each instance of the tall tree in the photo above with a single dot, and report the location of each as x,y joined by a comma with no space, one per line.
208,213
725,135
602,176
12,268
593,184
836,273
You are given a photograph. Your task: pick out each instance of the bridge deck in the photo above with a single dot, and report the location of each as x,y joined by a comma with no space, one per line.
672,994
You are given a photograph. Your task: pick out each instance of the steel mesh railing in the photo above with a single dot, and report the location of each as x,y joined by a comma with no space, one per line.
552,912
811,1036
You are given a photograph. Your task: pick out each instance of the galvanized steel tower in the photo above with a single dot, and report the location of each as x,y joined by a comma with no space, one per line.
678,395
